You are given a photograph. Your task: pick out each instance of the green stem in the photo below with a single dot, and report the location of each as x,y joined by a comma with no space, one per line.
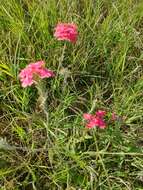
60,61
42,100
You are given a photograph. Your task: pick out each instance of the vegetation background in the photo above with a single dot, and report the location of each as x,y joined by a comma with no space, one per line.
103,70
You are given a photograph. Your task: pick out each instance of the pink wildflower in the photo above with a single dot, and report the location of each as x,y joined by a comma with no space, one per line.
32,71
66,31
94,120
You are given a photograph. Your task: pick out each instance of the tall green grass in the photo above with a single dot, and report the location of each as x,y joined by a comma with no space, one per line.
102,70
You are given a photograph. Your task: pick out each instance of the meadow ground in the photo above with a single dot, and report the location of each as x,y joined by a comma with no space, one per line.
102,70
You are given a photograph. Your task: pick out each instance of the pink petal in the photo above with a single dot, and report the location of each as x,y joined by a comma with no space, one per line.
37,65
100,113
91,124
87,116
45,73
101,123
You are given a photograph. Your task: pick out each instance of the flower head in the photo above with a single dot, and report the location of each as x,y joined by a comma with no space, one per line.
33,71
66,31
95,120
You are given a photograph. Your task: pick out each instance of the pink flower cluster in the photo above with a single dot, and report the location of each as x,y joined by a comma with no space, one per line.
32,72
96,120
66,31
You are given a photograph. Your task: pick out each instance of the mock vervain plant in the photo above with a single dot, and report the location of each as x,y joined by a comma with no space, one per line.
75,119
